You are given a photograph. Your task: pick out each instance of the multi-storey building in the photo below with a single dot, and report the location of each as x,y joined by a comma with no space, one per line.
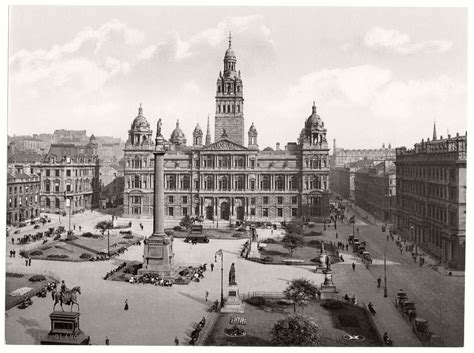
70,178
431,197
23,195
375,190
226,180
343,178
342,157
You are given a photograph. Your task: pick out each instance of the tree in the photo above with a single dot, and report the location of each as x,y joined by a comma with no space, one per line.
291,241
104,225
186,222
300,289
296,330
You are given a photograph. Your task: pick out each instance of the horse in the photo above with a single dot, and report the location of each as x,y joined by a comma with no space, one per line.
68,297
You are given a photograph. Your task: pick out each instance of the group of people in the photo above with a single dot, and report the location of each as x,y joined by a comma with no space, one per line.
28,261
12,253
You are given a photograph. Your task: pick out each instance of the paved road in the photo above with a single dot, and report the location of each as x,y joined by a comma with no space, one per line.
438,298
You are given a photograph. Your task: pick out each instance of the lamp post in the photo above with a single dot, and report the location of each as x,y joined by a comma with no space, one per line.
108,243
385,271
221,254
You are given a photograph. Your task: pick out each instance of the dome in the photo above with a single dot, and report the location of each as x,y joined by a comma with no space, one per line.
252,130
140,122
197,131
314,120
177,136
230,54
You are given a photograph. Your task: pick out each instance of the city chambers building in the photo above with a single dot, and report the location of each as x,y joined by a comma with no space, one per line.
225,180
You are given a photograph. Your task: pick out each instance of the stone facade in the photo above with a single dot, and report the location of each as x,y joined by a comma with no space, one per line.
375,190
431,197
23,195
226,180
70,172
343,178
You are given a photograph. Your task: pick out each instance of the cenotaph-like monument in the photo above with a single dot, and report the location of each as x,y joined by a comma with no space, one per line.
233,303
158,250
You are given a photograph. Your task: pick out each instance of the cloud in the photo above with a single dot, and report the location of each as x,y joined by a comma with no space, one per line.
147,53
87,61
371,101
400,43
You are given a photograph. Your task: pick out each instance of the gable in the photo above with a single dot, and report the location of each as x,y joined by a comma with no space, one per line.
224,145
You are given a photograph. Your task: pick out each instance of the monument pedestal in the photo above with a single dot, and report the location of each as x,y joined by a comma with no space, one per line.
233,303
65,329
254,253
328,286
158,257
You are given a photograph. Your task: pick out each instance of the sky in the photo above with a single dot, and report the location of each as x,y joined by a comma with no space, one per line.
377,75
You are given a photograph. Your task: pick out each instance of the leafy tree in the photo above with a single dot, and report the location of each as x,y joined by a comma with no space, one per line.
300,289
296,330
186,222
291,241
104,225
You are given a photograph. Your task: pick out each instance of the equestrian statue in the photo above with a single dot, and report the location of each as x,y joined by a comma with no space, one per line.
67,296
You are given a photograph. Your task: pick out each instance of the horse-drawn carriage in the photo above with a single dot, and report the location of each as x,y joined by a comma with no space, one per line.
401,297
421,329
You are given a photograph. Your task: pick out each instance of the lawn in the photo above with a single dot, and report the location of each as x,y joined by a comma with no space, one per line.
213,233
81,248
15,281
333,324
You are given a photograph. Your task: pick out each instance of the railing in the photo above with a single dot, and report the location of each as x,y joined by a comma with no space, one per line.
272,295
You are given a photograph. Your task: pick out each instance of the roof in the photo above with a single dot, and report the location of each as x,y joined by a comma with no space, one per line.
69,150
25,157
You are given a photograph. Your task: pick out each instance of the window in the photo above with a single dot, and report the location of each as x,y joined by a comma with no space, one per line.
265,200
239,183
223,183
68,172
252,163
252,201
171,182
184,199
252,184
170,211
57,203
294,212
56,187
68,187
170,199
185,211
184,182
252,211
265,183
280,200
264,212
279,183
294,200
280,212
47,172
57,172
208,183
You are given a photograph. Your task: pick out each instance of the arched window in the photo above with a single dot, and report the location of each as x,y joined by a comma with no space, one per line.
47,202
208,181
239,183
184,183
265,182
279,183
171,182
293,183
238,108
136,182
57,203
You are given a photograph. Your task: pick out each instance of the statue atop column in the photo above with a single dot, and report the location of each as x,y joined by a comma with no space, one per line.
158,128
232,275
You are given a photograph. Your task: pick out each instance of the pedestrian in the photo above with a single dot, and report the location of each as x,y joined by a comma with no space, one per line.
272,231
379,282
353,266
319,295
13,240
74,227
14,253
107,342
26,262
347,246
176,341
126,305
212,267
401,249
80,229
207,295
11,253
29,261
337,235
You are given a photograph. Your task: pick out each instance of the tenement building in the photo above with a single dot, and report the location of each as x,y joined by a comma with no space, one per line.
70,178
226,180
23,195
343,178
431,197
375,190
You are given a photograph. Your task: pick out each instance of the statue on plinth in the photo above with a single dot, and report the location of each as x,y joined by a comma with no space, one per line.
232,275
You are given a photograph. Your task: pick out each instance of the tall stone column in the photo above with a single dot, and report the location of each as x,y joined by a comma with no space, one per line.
159,195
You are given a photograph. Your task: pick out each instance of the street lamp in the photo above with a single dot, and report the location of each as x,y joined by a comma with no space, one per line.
108,243
221,254
385,271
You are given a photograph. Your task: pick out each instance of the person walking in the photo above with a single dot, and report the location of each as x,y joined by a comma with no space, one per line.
107,342
26,262
29,261
379,282
207,295
337,235
126,305
13,240
176,341
212,267
80,229
14,253
353,266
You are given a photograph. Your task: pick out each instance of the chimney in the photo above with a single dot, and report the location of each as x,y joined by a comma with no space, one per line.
278,146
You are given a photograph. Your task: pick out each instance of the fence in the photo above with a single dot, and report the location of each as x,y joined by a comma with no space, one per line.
269,295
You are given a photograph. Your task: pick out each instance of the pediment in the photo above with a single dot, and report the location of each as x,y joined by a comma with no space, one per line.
224,145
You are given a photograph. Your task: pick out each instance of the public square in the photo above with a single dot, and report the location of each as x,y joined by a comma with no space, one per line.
171,311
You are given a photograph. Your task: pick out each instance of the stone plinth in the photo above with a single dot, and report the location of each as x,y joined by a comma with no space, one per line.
158,257
233,303
254,253
328,285
65,329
